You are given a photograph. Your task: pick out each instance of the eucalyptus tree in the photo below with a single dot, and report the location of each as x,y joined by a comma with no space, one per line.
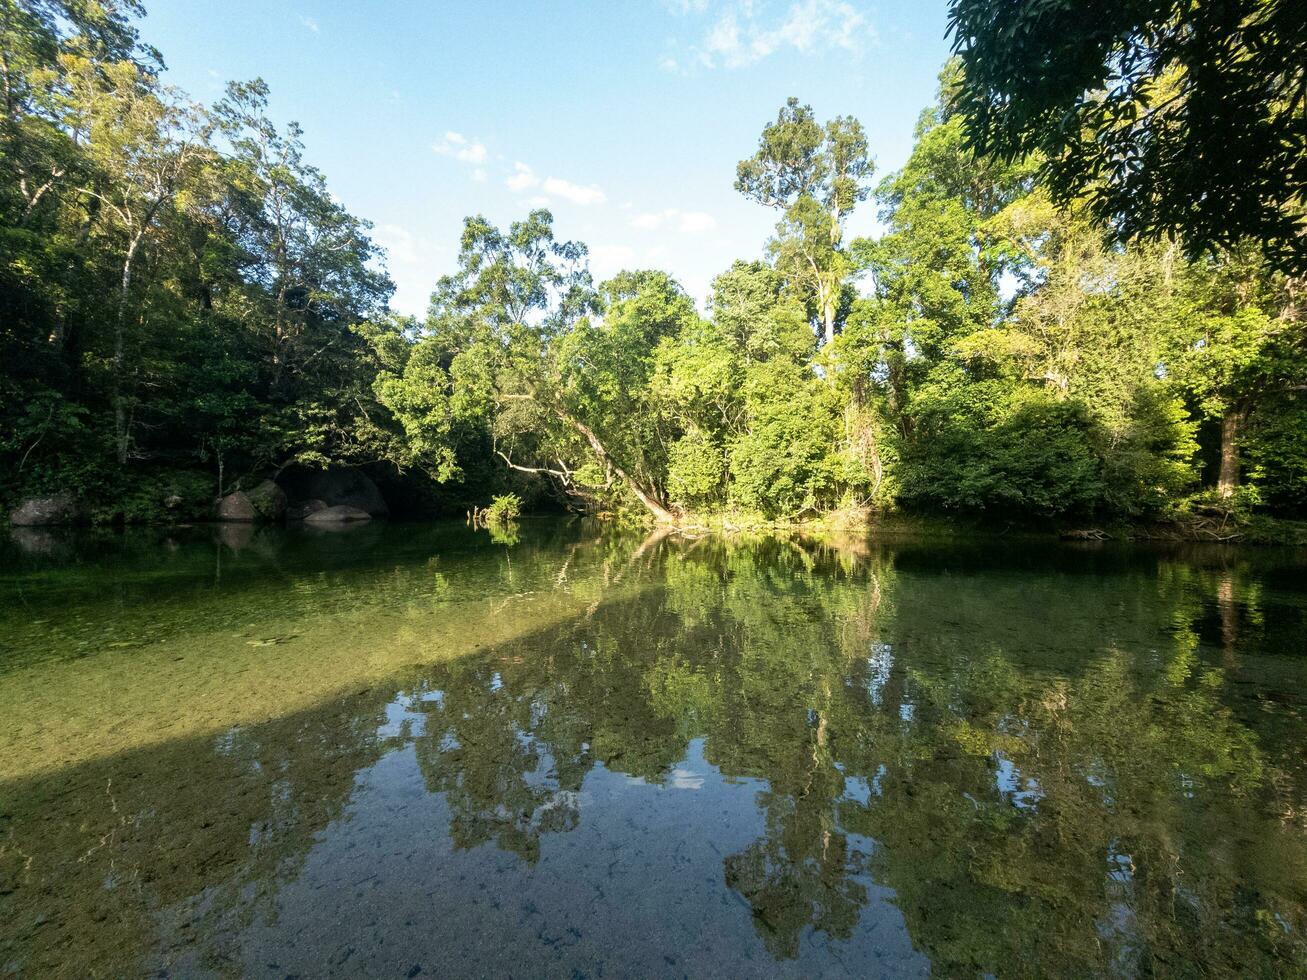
143,143
308,263
561,393
815,175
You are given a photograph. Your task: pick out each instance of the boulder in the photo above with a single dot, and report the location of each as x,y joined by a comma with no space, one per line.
41,511
305,509
237,507
338,515
269,501
339,486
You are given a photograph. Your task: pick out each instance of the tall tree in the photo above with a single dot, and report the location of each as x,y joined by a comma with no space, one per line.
142,144
1241,351
815,175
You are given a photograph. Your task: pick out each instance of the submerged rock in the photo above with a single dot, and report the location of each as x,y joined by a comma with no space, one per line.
39,511
236,535
338,515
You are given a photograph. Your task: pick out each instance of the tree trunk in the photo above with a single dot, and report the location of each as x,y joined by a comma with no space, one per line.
119,357
1231,431
648,496
832,288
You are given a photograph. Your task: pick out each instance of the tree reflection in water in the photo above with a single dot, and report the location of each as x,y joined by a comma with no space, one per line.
1047,761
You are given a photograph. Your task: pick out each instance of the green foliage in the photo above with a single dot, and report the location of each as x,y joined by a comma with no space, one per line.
179,292
504,509
781,463
184,307
1172,119
419,399
986,447
1278,456
696,471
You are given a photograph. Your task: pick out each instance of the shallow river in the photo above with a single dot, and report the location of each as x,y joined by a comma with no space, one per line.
417,750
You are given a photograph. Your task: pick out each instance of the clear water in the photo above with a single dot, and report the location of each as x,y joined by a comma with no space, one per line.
417,751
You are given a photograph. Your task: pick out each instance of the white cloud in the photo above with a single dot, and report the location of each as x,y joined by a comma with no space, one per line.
479,175
687,222
523,178
743,33
459,147
576,193
310,23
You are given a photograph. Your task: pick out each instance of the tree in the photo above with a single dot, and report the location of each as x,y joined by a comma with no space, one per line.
1172,118
142,144
815,176
1241,351
513,325
1094,325
179,288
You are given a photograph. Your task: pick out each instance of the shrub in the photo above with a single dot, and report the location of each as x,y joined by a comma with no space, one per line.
504,509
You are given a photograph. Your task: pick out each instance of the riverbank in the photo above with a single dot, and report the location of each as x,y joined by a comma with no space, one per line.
1217,529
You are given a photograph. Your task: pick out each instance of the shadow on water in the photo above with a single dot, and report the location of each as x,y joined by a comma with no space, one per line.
665,757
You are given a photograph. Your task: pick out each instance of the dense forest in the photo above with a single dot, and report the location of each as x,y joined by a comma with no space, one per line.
186,310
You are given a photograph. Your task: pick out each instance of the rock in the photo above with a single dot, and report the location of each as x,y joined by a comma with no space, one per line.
40,511
338,515
237,507
1084,534
269,501
339,486
305,509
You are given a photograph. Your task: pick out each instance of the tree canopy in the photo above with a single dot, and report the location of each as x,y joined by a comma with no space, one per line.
185,308
1171,119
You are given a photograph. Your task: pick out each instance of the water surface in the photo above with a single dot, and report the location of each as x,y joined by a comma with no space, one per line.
419,751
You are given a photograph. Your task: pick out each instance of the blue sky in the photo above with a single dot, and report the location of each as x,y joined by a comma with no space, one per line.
626,118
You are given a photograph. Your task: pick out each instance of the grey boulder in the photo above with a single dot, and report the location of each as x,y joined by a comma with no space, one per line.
340,486
269,501
40,511
305,509
237,507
